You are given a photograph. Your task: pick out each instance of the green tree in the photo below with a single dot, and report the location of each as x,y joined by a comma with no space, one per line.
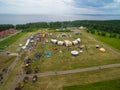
103,34
93,32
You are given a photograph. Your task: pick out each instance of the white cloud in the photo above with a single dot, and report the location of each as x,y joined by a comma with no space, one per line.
50,7
114,5
42,7
38,6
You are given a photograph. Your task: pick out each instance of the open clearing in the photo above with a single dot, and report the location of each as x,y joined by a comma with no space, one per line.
65,61
59,81
104,85
7,61
91,56
114,42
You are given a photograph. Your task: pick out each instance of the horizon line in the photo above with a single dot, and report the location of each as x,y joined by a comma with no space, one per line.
63,14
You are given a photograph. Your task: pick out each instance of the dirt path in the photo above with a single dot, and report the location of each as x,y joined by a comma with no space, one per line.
74,70
11,70
19,76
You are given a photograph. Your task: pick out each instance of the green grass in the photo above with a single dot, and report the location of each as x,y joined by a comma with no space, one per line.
57,82
11,40
114,42
12,74
6,35
13,43
105,85
6,61
65,61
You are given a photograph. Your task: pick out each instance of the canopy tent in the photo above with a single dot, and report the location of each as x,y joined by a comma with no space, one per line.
78,39
97,46
75,42
102,50
34,78
64,35
47,53
68,43
38,55
81,51
8,52
60,43
74,52
20,45
54,41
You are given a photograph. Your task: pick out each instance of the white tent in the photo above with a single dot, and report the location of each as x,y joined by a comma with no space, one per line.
54,41
78,40
68,43
102,50
75,42
74,52
60,42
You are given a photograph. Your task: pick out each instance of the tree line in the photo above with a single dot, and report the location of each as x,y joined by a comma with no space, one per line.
104,33
6,26
111,26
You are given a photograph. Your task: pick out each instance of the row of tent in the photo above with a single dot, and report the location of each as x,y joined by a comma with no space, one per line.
66,42
33,39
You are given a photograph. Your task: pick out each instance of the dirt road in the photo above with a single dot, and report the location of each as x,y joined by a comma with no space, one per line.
74,70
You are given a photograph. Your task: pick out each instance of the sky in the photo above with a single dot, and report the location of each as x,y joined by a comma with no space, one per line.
60,7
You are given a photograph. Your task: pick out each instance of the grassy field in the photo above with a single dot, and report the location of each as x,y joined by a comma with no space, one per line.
12,43
4,36
114,42
59,81
65,61
6,60
7,84
105,85
11,40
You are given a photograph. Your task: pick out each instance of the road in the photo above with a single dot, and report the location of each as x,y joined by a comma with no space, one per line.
74,70
11,70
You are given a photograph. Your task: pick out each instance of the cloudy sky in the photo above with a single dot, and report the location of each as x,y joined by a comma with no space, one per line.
60,7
